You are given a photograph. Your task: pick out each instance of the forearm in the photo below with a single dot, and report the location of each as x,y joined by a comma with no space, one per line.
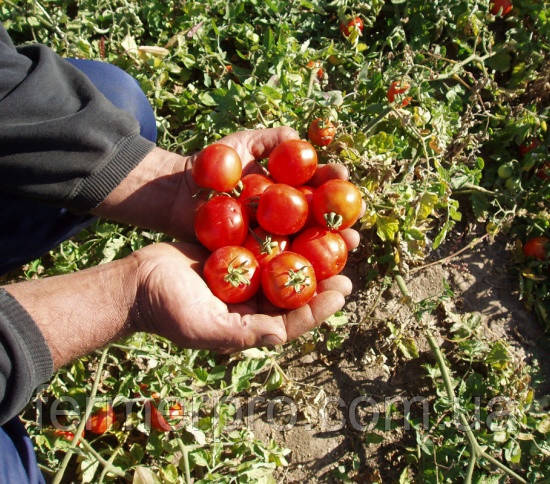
80,312
157,194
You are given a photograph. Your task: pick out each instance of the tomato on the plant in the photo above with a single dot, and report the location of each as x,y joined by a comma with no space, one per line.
321,132
354,23
336,204
537,247
292,162
232,274
221,221
396,88
288,280
253,186
526,148
217,167
102,420
504,6
282,209
157,420
264,245
327,251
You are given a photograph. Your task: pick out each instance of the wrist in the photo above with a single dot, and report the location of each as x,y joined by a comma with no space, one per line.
157,194
81,312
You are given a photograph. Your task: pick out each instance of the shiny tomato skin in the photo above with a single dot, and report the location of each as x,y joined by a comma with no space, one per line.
282,209
308,193
217,167
536,247
504,5
321,132
229,286
346,27
100,421
338,197
276,276
258,244
327,251
221,221
253,186
292,162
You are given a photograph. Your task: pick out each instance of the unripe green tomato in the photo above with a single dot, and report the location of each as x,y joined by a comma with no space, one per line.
528,163
506,170
513,184
543,125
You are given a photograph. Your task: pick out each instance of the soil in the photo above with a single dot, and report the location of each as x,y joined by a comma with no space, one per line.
338,397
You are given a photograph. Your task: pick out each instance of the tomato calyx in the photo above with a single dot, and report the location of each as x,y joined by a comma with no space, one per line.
298,279
333,220
237,275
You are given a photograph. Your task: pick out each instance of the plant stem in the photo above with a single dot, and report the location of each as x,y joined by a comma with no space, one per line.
185,451
475,449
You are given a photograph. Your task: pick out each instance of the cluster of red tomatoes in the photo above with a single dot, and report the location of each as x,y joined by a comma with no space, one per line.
273,232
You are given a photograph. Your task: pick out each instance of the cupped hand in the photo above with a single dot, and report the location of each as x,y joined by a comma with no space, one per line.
174,301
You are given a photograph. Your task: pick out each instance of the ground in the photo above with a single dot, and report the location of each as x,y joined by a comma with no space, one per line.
483,282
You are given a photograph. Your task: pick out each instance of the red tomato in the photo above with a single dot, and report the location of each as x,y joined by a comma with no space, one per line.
536,247
101,420
525,148
175,410
282,209
288,280
157,420
308,193
398,87
253,186
327,251
354,23
321,132
292,162
221,221
501,5
217,167
265,246
336,204
232,274
320,74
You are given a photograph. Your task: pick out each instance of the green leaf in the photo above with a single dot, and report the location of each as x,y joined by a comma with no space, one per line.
372,438
500,62
387,227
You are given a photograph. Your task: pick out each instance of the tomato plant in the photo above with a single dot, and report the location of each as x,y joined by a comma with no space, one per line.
265,246
217,167
327,251
100,421
355,23
282,209
321,132
502,7
253,186
221,221
292,162
536,247
288,280
336,204
232,274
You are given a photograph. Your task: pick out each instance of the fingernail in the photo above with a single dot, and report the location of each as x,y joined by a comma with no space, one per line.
271,340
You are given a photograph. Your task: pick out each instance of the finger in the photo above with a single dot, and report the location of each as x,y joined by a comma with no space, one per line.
339,283
304,319
261,142
351,238
328,172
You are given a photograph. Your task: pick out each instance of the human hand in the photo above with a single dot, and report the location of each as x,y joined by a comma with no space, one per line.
174,301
